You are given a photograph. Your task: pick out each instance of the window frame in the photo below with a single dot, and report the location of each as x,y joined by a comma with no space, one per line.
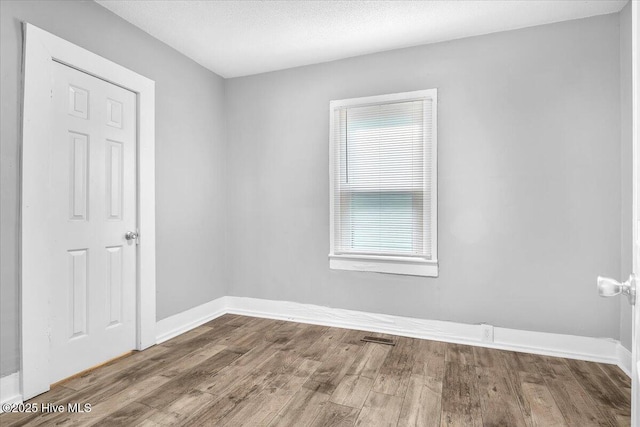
407,265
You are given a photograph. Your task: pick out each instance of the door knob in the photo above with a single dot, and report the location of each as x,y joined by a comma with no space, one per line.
608,287
131,235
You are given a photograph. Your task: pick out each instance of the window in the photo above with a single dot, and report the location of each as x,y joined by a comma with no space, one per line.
383,183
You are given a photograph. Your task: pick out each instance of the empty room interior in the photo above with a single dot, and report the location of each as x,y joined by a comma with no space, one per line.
319,213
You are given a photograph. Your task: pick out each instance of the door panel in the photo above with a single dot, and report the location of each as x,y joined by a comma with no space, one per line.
114,285
77,290
92,206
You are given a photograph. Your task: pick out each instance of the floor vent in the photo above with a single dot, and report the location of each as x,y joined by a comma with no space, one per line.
377,340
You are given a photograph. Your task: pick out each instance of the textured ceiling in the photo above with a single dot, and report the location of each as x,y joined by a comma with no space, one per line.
238,38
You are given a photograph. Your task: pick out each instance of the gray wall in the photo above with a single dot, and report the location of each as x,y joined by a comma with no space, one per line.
529,179
626,166
190,150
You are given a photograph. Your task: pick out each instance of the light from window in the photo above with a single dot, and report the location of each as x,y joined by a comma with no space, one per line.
383,183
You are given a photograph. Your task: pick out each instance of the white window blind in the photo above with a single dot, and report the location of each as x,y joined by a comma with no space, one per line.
383,171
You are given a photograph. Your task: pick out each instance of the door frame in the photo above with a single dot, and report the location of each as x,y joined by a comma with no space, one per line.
41,50
635,138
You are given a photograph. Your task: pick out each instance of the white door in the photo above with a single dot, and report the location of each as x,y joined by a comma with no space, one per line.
631,287
635,50
92,207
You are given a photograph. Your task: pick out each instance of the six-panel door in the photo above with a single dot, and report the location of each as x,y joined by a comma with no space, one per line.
93,184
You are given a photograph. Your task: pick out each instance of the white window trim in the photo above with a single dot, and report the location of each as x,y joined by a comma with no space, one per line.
41,50
415,266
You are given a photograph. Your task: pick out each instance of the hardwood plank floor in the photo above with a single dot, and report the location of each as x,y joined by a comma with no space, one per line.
244,371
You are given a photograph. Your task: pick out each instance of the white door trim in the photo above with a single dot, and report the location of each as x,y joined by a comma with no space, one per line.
635,80
41,49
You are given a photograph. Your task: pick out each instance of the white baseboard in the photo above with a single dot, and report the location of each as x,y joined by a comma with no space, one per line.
602,350
10,389
624,359
182,322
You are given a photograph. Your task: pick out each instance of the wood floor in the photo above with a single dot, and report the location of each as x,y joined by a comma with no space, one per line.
244,371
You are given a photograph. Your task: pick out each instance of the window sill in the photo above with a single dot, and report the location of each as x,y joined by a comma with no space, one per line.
384,264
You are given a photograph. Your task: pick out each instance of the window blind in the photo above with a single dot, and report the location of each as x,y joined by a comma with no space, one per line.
382,178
